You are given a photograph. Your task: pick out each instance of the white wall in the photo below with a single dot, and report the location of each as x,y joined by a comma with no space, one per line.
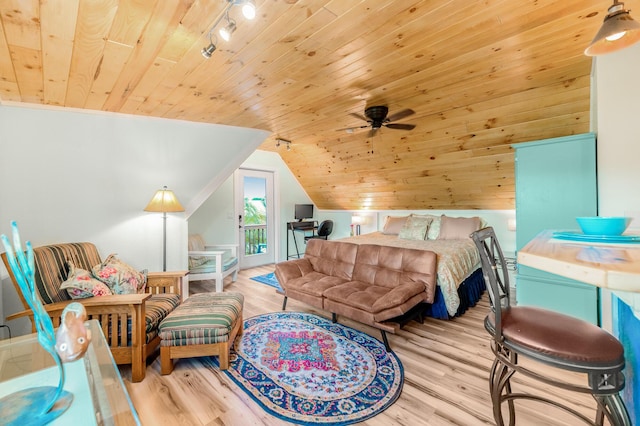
618,130
215,219
618,133
67,175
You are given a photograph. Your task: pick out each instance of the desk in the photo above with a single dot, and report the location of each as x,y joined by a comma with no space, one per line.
301,227
615,267
99,395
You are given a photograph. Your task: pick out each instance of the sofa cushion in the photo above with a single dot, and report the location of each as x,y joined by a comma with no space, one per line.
51,268
333,258
196,243
386,266
314,283
209,266
373,298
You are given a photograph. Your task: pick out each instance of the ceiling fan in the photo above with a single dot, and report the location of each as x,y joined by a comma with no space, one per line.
376,116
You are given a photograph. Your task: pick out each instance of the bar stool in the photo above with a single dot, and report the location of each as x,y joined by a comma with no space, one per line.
551,338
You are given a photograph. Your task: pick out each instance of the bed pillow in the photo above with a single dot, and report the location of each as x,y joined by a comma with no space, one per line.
434,226
120,277
80,284
458,228
415,228
393,224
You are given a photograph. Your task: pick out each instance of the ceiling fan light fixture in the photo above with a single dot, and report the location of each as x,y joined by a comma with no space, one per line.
619,30
226,31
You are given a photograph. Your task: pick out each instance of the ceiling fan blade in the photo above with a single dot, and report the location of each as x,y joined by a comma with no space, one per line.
400,126
352,128
372,133
400,115
359,117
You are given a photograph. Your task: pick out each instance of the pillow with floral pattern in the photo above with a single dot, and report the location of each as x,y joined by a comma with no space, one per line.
120,277
80,284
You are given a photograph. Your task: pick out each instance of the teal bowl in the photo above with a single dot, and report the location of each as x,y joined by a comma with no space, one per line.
606,226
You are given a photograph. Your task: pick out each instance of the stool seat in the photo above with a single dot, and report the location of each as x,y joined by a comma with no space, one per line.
577,344
205,324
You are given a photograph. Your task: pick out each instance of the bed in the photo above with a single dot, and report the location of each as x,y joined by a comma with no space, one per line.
460,281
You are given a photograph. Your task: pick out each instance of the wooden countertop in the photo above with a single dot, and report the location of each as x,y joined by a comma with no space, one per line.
612,266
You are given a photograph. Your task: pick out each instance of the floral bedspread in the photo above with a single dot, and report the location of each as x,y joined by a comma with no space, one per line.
457,259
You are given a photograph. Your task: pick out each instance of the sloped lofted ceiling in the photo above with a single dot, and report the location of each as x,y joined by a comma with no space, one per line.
480,75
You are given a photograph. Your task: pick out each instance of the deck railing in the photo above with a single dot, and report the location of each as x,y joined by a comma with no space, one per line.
255,239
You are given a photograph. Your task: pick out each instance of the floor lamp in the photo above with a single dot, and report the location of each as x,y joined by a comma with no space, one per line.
164,201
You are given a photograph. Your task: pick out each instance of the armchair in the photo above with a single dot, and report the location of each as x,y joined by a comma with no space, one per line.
129,321
212,262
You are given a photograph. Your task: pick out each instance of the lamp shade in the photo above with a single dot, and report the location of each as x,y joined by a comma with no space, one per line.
618,31
358,220
164,201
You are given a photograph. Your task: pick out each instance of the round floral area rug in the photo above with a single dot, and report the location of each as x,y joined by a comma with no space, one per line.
307,370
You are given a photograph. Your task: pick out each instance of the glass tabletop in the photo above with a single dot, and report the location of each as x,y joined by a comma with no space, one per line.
95,381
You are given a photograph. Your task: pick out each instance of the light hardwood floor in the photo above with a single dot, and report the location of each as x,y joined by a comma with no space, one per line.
446,365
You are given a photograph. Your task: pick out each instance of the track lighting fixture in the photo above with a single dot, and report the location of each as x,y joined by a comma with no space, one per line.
618,31
226,31
249,12
284,142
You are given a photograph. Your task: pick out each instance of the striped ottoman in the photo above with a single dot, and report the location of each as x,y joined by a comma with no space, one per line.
205,324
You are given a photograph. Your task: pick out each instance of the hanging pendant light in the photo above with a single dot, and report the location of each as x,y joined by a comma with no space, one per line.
618,31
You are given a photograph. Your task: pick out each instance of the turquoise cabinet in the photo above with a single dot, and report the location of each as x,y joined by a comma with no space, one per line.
555,183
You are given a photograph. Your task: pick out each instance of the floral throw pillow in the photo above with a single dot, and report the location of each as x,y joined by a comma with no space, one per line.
120,277
80,284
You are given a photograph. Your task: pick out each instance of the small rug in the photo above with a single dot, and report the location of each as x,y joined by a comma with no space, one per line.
268,279
305,369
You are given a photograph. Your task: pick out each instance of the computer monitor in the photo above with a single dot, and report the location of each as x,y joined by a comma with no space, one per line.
303,211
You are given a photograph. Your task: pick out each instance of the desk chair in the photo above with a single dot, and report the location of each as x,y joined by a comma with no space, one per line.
551,338
324,230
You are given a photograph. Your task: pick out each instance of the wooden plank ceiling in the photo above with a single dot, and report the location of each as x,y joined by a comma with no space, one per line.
480,75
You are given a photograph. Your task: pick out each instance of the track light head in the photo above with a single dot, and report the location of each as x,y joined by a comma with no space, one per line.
249,9
226,31
207,51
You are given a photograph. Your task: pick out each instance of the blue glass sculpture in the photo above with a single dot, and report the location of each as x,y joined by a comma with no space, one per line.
42,404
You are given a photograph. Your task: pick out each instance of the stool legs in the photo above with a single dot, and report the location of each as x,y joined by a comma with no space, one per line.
505,365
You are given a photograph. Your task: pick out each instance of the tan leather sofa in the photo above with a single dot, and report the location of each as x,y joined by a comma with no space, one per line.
375,285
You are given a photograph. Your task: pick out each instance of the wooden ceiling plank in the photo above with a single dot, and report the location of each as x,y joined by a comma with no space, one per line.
92,29
21,30
58,23
28,65
130,21
8,83
162,23
114,58
21,23
152,78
